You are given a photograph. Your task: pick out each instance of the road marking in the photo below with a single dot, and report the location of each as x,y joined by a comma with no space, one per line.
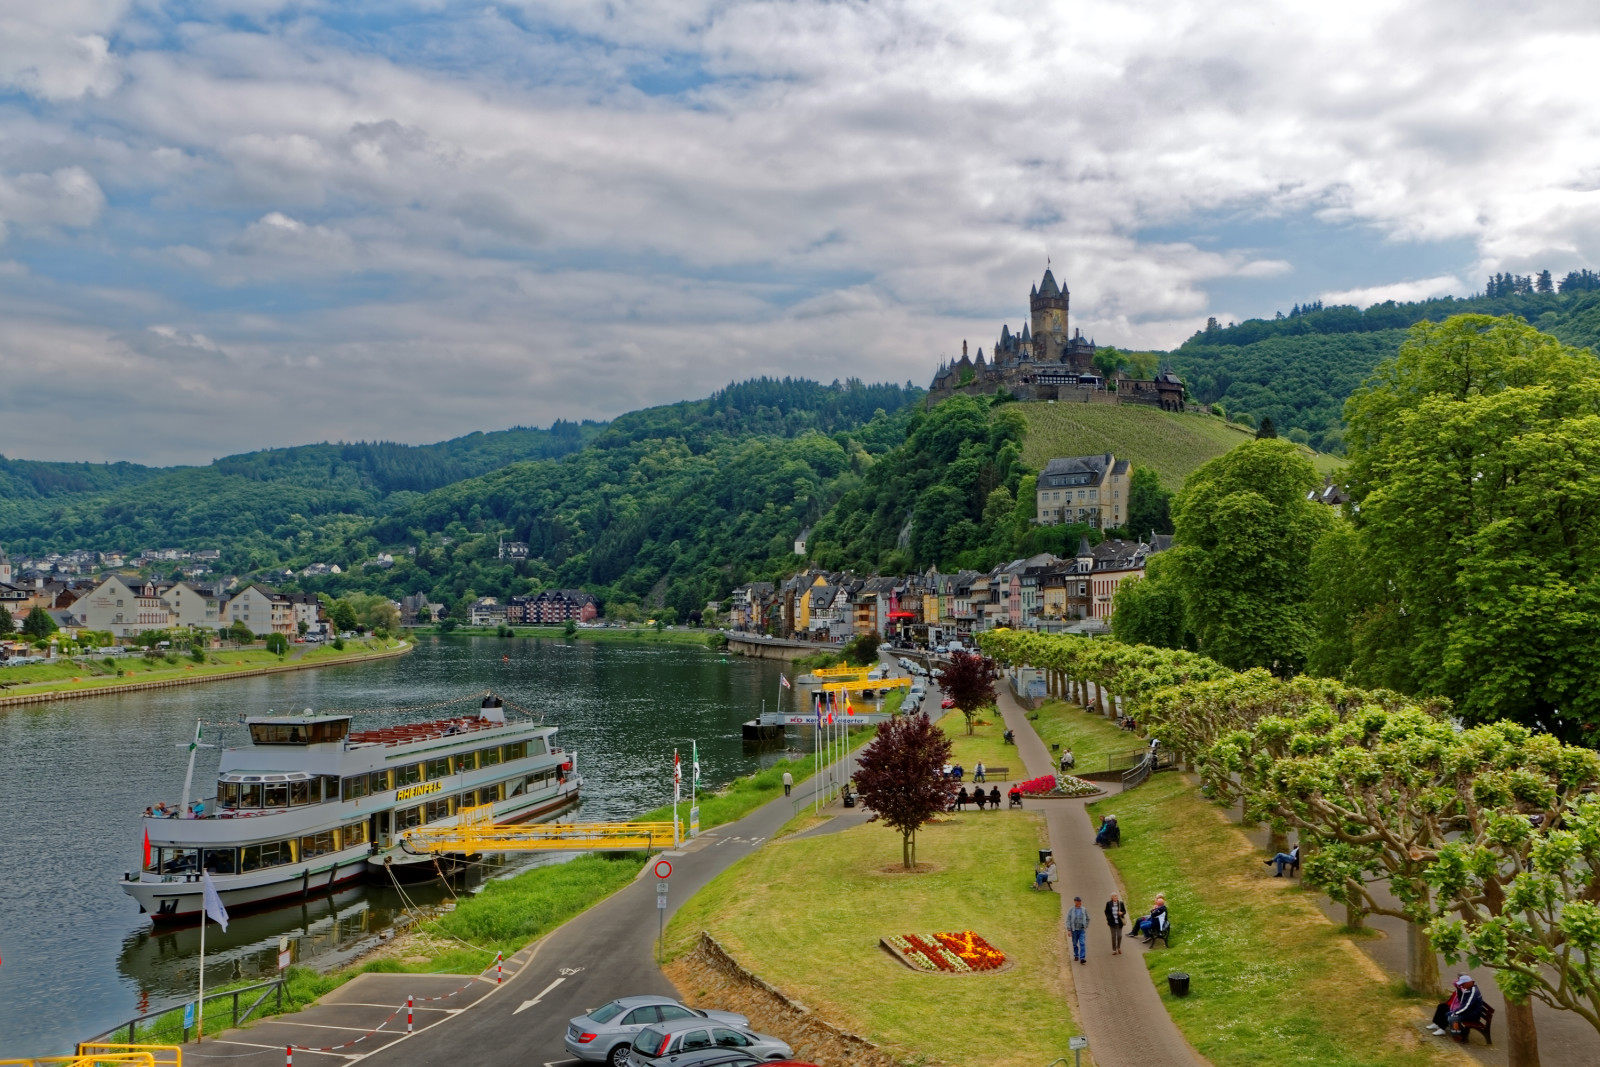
570,970
279,1048
560,1063
526,1004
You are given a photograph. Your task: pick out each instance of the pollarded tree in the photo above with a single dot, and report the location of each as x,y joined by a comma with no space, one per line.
968,679
900,776
1475,471
1245,533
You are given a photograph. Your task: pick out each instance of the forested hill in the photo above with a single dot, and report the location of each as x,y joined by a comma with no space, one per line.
1299,367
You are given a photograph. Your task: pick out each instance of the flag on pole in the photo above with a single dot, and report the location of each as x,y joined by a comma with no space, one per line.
784,678
213,902
147,847
694,762
677,777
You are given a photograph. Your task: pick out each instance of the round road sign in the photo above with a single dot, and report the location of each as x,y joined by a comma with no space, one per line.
663,869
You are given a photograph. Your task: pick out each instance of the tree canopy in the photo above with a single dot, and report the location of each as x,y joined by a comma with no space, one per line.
900,776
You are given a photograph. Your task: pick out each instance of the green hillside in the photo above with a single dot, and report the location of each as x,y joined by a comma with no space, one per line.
1169,443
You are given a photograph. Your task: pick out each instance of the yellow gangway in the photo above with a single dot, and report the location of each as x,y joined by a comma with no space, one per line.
841,672
475,833
859,687
96,1055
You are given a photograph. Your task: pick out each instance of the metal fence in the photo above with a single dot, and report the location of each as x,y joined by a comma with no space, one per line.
267,989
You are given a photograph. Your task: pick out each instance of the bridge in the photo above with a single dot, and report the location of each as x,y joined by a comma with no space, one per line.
474,833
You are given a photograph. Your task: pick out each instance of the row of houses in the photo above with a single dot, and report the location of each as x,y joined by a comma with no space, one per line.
540,609
1042,592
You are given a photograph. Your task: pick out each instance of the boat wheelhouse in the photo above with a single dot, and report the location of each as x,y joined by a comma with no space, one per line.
309,804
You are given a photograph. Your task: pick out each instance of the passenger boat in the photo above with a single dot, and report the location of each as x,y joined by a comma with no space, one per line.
310,804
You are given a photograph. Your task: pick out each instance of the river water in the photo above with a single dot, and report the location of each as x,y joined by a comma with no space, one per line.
76,957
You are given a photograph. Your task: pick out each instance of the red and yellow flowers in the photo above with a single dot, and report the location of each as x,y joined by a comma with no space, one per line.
961,953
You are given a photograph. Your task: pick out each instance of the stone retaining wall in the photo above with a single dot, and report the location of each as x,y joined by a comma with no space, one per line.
711,978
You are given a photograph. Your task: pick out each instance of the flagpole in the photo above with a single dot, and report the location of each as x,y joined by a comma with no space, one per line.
200,1006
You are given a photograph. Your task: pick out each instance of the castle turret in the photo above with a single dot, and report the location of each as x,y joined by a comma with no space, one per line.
1049,303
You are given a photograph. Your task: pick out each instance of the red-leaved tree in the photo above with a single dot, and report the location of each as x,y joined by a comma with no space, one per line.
900,776
968,680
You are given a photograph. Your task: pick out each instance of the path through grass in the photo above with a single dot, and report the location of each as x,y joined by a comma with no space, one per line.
1092,737
1273,980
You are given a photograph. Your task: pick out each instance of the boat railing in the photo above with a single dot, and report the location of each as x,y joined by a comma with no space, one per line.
238,1014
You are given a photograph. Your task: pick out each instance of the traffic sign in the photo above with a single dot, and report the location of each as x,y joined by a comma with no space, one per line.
1077,1042
661,889
661,903
663,869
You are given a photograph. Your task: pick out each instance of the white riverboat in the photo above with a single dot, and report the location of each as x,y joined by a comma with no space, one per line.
310,804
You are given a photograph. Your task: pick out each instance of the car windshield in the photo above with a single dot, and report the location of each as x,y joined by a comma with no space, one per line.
649,1042
606,1012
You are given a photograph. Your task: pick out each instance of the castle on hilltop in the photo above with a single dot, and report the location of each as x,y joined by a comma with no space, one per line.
1044,362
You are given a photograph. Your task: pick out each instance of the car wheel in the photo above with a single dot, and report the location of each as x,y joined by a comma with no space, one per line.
618,1056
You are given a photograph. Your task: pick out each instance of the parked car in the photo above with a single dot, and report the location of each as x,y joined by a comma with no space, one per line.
941,649
604,1034
947,703
666,1044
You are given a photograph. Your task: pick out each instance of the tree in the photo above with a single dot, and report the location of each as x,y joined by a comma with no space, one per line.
302,626
1475,474
384,616
7,624
1544,284
1245,532
862,649
900,776
39,625
343,616
1266,429
968,679
570,629
1149,504
1149,610
241,633
277,644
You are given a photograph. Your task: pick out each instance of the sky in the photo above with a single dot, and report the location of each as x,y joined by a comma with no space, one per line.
240,224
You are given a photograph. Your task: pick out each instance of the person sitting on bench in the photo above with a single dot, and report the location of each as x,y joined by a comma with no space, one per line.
1464,1008
994,797
1044,874
980,798
1068,760
1285,859
961,799
1010,738
1150,925
1108,831
978,772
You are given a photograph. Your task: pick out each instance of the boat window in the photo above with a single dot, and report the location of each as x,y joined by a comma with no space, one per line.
178,860
488,757
536,747
354,833
249,796
222,860
271,854
407,774
227,794
304,792
330,787
317,845
406,818
380,782
465,761
355,787
536,781
439,768
435,810
513,788
275,795
516,750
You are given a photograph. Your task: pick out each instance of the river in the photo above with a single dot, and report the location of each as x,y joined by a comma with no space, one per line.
76,957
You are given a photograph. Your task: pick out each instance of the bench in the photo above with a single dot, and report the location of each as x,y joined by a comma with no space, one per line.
1484,1025
1164,932
994,772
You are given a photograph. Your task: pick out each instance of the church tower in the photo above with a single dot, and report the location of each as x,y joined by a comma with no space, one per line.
1048,301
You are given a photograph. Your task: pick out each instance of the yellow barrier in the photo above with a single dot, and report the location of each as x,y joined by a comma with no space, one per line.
537,837
96,1055
841,672
858,687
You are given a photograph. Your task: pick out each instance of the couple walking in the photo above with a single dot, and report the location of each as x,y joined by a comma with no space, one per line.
1078,926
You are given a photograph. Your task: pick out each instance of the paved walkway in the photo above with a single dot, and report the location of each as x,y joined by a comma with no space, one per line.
1118,1007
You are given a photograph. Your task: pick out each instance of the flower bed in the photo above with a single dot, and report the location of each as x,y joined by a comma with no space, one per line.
1068,786
946,953
1037,787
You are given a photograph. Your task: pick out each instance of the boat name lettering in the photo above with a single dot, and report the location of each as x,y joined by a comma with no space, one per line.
418,790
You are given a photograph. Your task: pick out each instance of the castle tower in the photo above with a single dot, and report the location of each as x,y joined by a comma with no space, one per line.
1048,302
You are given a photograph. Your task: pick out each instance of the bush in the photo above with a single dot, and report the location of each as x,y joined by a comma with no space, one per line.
338,643
447,626
196,653
171,658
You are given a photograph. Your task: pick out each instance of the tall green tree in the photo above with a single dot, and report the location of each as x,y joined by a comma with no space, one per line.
7,624
1149,504
1475,471
1245,532
1149,610
39,625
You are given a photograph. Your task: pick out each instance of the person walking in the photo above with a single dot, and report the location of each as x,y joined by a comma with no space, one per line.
1116,919
788,783
1078,927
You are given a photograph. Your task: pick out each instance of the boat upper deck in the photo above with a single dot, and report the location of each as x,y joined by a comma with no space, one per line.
410,733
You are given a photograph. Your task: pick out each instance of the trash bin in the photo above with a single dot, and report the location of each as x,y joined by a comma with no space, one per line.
1044,855
1178,982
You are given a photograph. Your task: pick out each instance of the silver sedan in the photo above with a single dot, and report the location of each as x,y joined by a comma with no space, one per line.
686,1041
605,1034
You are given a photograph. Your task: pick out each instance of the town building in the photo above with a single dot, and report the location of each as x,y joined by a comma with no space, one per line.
192,605
1047,362
263,610
1087,489
123,606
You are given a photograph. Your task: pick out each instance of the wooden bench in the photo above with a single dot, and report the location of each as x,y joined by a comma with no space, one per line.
1484,1025
994,772
1164,933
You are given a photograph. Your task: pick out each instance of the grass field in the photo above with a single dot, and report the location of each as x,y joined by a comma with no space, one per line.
1169,443
986,743
1274,982
94,673
1092,738
806,914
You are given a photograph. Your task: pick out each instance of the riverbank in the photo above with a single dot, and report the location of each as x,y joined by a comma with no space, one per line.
84,678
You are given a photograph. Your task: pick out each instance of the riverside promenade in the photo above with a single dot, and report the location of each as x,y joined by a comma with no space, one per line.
1118,1007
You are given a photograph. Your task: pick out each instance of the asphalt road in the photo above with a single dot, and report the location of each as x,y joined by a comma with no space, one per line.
606,952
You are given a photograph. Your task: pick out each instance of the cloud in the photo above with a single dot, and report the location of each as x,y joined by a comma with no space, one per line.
1423,289
455,215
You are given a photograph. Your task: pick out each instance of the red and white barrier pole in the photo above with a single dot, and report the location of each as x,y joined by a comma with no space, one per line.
409,1001
499,968
288,1056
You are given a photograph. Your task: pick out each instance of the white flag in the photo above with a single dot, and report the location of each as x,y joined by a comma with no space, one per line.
213,905
695,762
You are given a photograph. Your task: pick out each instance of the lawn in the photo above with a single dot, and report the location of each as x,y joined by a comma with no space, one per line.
1273,980
1170,443
806,914
986,743
1092,738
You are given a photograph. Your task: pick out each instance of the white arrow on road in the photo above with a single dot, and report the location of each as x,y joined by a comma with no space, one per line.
526,1004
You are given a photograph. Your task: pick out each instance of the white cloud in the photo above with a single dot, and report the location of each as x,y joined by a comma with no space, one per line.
838,189
1423,289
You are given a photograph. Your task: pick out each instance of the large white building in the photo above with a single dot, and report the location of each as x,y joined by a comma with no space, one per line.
126,607
264,610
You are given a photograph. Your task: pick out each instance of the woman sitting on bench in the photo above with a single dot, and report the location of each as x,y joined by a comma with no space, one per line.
1108,831
1044,874
1464,1008
994,797
961,799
